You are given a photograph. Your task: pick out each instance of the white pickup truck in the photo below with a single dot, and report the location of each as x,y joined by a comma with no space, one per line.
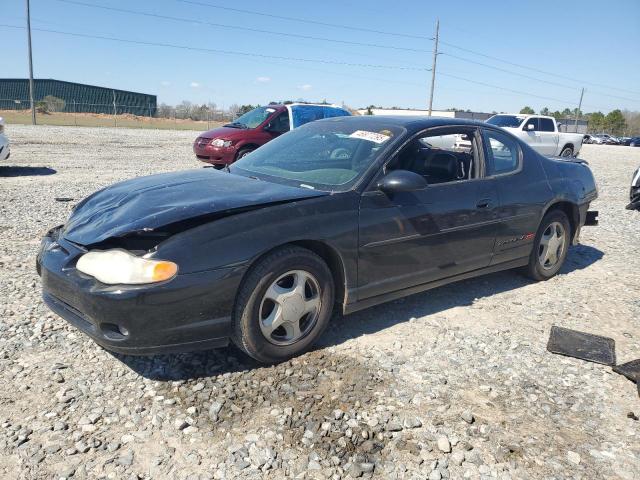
541,133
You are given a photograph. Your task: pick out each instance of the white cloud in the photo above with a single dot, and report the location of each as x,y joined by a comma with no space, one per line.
195,85
306,87
165,83
263,79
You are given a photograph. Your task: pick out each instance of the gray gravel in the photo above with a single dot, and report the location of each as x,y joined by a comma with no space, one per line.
452,383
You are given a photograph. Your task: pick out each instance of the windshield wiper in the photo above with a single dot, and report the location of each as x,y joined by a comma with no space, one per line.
236,125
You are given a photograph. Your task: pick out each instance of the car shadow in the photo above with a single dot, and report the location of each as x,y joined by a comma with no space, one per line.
188,366
210,363
16,171
437,300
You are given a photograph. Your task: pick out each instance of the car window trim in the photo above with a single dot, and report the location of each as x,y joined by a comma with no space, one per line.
520,166
381,170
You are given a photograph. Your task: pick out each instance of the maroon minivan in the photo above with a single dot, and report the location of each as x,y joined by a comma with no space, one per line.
224,145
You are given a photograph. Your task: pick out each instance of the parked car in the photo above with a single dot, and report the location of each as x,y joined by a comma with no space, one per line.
634,193
598,140
631,141
608,139
5,150
223,146
347,212
541,133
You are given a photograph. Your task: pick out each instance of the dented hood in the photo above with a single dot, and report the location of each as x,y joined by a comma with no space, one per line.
146,204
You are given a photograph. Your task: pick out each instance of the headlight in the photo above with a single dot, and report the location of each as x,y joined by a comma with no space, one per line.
119,266
218,142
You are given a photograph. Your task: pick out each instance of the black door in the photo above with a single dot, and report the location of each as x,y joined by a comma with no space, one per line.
447,228
523,190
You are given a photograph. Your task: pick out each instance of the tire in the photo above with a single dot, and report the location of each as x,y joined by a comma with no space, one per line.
284,273
243,152
566,152
536,269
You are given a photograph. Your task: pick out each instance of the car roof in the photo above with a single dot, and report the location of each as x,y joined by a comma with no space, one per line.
411,123
295,104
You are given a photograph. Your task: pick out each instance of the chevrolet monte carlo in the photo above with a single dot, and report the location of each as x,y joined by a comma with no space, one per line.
339,214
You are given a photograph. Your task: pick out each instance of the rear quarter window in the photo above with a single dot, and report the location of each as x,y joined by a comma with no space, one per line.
503,153
546,125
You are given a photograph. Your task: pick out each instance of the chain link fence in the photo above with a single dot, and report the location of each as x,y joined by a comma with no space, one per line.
72,113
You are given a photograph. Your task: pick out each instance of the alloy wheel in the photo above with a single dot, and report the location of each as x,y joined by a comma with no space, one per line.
552,245
290,307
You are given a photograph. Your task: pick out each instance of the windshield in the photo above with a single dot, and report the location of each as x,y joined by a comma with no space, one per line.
327,155
509,121
252,118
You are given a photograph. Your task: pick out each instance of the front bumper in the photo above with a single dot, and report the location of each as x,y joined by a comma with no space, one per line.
215,155
190,312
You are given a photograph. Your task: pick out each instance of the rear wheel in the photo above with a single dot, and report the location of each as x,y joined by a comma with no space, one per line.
550,246
567,152
283,305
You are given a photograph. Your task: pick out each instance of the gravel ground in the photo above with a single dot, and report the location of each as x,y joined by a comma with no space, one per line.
451,383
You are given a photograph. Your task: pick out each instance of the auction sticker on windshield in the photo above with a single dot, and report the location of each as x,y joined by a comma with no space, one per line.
371,136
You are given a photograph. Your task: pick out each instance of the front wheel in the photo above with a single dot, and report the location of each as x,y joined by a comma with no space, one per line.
243,152
550,246
283,305
567,152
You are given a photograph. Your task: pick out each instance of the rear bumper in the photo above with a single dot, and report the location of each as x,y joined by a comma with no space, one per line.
587,218
591,218
189,312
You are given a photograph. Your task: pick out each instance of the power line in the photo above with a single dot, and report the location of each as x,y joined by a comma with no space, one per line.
247,54
533,78
225,52
535,69
238,27
303,20
405,35
346,42
563,102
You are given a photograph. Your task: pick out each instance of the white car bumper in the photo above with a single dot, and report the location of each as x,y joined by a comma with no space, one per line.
5,150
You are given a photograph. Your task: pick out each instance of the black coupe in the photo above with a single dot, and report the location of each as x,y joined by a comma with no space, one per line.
341,213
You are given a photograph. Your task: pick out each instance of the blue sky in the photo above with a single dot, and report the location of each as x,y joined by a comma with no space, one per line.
593,44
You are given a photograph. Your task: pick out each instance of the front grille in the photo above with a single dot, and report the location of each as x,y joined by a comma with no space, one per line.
202,141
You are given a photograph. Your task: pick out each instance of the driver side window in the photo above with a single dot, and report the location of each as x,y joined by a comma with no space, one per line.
280,124
449,156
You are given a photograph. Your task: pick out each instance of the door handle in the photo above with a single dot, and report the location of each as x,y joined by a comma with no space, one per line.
484,203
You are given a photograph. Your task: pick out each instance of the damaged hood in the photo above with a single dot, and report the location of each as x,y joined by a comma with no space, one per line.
146,204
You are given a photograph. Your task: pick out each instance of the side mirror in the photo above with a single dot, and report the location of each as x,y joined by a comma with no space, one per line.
531,126
401,181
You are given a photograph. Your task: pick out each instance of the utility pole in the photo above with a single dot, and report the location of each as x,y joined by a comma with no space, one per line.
115,110
578,110
33,107
433,66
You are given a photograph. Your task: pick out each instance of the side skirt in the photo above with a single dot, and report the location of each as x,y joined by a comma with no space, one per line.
387,297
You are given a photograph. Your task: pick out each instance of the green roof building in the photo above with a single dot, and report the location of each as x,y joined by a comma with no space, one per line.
77,97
